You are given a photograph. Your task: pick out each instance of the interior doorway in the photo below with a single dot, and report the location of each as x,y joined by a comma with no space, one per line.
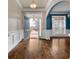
34,27
35,23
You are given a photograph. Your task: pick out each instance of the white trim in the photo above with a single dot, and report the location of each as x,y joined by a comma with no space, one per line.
49,3
12,35
19,4
13,46
33,10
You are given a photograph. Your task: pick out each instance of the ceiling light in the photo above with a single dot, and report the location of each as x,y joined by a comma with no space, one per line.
33,5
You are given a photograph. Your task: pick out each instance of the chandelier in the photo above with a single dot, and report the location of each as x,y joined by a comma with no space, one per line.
33,5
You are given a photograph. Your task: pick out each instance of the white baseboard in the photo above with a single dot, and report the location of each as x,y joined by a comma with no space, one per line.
13,46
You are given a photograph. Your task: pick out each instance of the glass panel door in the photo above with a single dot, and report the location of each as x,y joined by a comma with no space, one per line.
58,24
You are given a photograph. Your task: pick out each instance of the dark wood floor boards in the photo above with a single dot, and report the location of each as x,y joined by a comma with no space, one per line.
55,48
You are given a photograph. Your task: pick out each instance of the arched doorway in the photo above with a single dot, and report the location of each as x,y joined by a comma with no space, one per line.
61,8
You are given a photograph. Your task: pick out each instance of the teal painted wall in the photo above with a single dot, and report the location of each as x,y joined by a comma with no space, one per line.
49,22
67,22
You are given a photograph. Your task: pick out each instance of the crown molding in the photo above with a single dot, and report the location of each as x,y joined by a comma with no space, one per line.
37,9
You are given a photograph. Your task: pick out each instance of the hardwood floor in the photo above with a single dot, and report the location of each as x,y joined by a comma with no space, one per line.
56,48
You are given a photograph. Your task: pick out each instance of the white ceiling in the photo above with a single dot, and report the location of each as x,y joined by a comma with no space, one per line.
40,3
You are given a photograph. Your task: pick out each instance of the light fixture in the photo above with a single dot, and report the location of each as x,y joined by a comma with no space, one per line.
33,5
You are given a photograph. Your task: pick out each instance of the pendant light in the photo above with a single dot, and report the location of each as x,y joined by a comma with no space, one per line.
33,5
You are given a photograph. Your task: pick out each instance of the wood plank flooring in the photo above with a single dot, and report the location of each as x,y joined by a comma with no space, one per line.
55,48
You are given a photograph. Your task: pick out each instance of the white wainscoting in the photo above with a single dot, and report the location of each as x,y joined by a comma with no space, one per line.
45,34
14,37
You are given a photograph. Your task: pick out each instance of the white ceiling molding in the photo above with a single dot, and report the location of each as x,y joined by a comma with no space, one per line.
33,10
19,4
31,14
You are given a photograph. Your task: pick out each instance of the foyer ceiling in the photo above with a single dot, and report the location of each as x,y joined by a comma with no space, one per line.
40,3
